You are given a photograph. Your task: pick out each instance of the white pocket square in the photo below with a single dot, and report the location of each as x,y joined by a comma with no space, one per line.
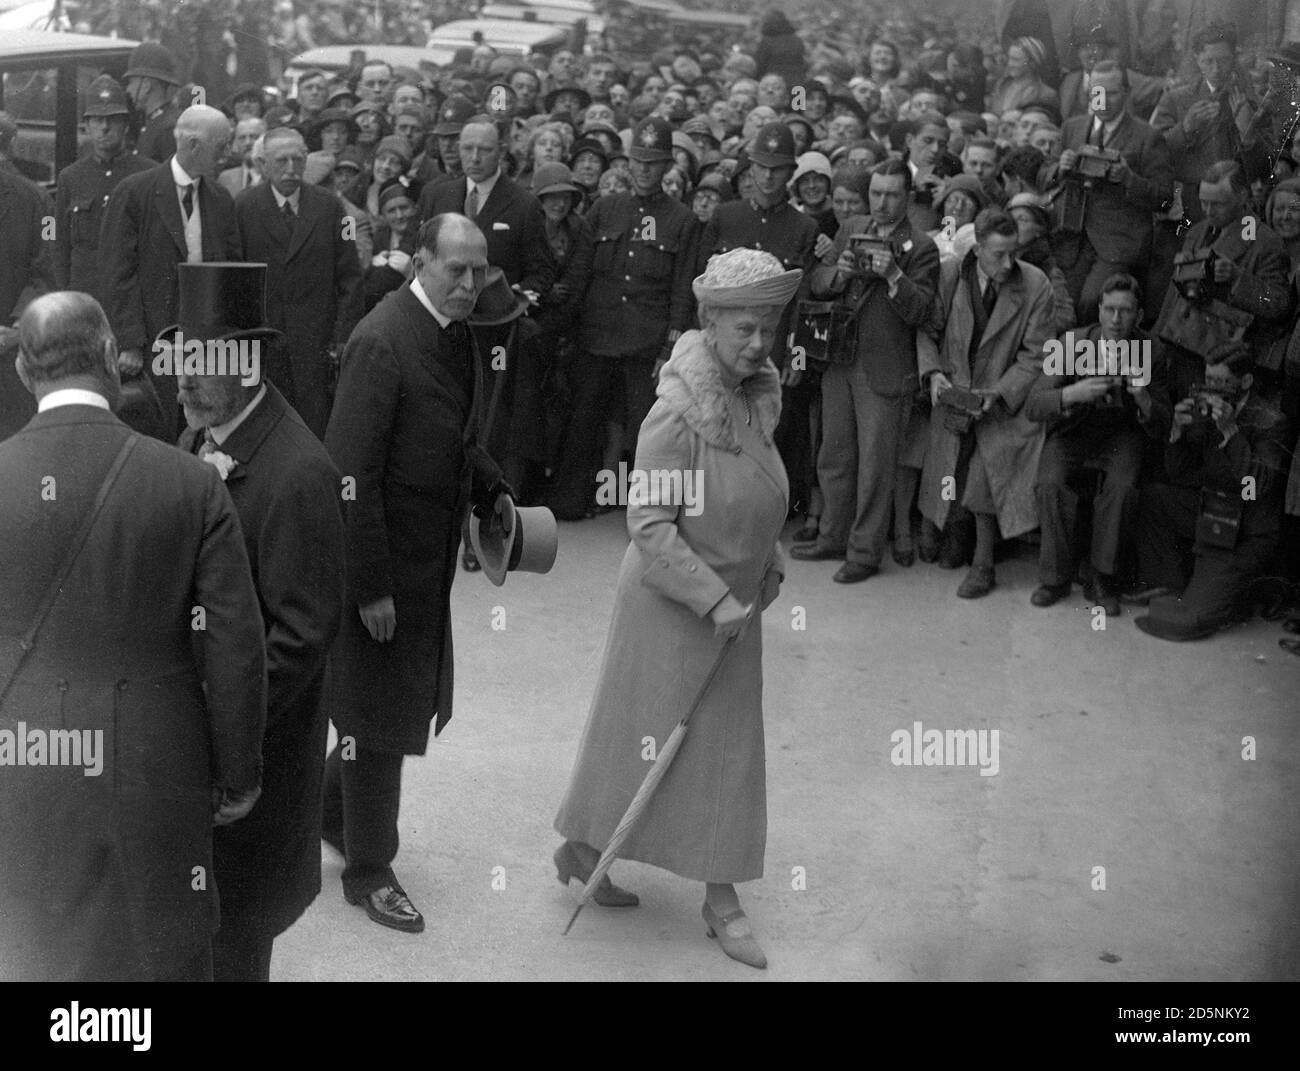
499,226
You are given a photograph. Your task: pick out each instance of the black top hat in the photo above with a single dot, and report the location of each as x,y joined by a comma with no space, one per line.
498,302
221,300
104,97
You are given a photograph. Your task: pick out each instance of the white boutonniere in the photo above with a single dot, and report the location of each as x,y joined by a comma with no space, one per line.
224,463
907,246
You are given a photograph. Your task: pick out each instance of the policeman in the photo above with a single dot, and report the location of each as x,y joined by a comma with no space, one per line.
152,85
84,186
638,304
768,221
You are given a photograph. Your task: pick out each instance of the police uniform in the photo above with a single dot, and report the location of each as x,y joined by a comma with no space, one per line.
638,302
83,190
155,137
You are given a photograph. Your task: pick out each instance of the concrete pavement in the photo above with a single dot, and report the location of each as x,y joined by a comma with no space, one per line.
1116,751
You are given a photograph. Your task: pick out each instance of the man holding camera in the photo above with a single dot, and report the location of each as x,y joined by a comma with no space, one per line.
1121,167
1100,420
1207,535
890,270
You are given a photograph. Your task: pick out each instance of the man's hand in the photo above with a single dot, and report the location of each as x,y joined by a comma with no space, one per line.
1224,415
823,248
1069,158
380,619
938,384
1183,416
1141,396
1225,271
230,806
989,395
1200,116
1119,172
1089,389
848,261
791,377
399,261
729,617
130,363
882,263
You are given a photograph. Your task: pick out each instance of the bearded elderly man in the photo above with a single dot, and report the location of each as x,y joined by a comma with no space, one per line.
405,430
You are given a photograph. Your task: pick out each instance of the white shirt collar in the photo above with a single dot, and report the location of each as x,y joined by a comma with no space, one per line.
423,299
485,188
72,396
292,198
181,176
1108,125
222,432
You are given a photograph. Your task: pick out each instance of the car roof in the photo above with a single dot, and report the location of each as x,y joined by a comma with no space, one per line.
499,32
39,48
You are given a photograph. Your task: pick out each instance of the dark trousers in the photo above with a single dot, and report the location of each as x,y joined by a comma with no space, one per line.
1085,276
793,438
362,797
241,951
198,968
1212,580
1117,452
598,384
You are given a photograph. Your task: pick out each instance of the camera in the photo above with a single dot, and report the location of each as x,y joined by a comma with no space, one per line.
1201,395
1194,274
864,246
1094,163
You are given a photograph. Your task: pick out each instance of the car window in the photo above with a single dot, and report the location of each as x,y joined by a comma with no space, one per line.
29,96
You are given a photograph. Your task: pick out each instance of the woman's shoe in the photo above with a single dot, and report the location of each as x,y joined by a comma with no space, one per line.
735,936
568,866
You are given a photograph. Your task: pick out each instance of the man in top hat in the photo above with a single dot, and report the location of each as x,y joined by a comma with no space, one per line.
512,221
638,304
174,213
313,275
405,425
84,186
767,221
109,877
152,83
286,492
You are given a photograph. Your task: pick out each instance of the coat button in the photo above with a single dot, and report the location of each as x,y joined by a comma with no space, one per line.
691,568
630,253
628,278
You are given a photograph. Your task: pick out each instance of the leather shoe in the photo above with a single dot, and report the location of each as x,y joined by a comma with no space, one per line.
607,894
1099,593
854,572
735,936
390,906
808,533
951,555
904,556
812,552
978,583
1049,594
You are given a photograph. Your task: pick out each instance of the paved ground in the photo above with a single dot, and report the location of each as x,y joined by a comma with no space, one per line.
1116,751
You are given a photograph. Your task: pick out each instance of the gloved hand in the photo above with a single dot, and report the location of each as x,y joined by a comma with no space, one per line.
485,502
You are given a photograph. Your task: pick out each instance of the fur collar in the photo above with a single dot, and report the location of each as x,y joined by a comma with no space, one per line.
691,384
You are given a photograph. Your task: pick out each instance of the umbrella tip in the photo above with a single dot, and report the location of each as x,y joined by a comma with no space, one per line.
576,912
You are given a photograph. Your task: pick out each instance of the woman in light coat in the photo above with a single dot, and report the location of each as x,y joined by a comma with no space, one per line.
698,569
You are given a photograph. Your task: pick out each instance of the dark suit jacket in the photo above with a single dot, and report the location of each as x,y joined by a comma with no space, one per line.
141,243
513,223
287,493
405,426
25,255
100,870
1192,154
1118,219
313,285
1144,94
887,325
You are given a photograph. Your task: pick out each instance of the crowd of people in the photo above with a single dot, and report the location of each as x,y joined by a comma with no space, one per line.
1004,290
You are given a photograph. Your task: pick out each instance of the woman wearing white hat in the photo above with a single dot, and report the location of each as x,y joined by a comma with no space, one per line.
700,565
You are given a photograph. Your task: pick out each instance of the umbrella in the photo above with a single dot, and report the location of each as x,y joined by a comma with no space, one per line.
642,798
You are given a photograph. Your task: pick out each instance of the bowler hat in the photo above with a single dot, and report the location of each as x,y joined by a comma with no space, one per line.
524,539
498,302
104,97
773,146
221,300
151,60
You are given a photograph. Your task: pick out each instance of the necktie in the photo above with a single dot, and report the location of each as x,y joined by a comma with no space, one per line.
207,445
990,297
1101,135
289,215
187,201
471,202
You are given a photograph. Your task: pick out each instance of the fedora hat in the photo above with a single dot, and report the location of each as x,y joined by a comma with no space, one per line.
498,302
524,540
221,300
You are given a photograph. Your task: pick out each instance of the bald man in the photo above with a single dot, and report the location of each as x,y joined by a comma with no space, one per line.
174,212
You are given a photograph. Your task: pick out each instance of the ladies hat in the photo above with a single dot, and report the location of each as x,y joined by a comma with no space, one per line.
1033,202
519,539
338,93
718,184
967,184
350,157
399,186
331,115
398,146
584,98
811,163
592,145
744,278
553,178
1034,50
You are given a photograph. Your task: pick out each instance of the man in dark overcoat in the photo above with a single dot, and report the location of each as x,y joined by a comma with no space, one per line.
313,287
404,435
288,496
174,213
107,872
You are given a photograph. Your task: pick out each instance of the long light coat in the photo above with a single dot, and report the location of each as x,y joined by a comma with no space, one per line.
708,819
1011,358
